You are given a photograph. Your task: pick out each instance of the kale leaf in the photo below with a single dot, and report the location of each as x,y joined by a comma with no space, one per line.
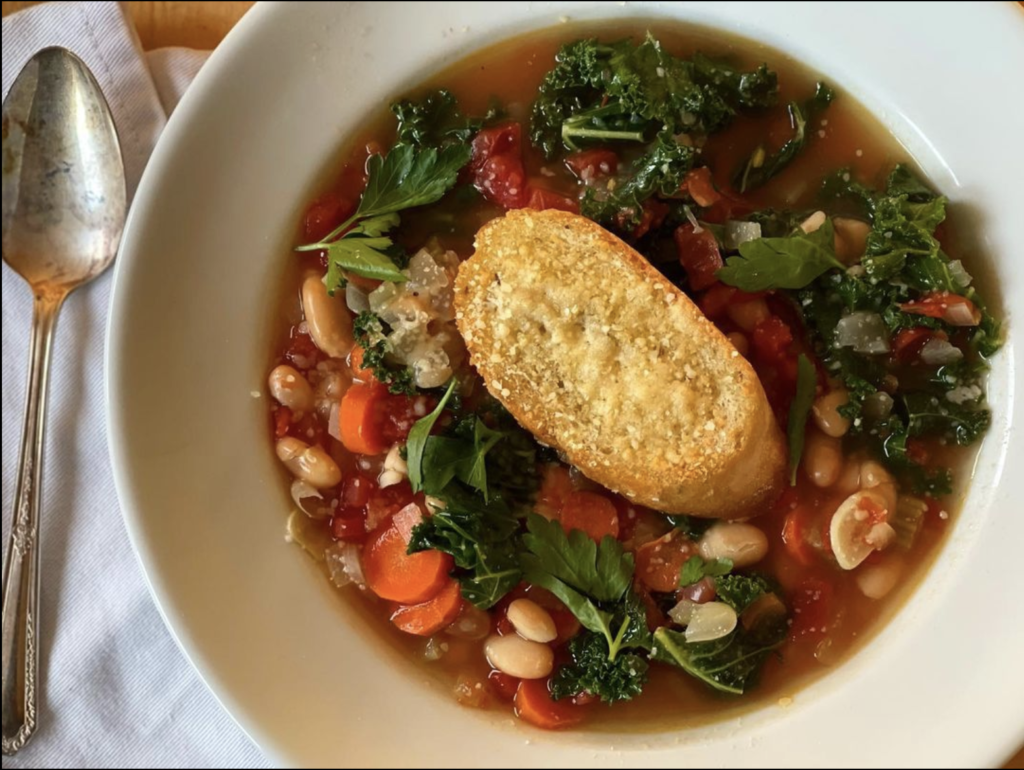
482,538
740,591
593,673
433,121
761,165
371,334
629,92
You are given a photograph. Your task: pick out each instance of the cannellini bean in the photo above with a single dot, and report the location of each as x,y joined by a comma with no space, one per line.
291,389
823,458
308,463
740,342
851,239
826,413
875,477
849,479
531,621
394,461
329,322
744,544
389,479
876,581
813,222
711,621
519,657
854,530
748,315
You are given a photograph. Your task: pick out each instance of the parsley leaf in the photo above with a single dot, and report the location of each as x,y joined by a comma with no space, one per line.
416,443
806,382
482,538
782,263
461,455
696,569
372,336
761,166
407,177
591,672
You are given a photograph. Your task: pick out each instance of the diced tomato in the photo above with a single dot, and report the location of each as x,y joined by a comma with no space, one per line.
497,165
951,308
349,525
593,164
812,609
383,503
399,413
356,491
591,513
660,562
282,421
699,255
906,347
555,486
534,705
700,187
541,199
728,206
503,685
302,352
652,214
917,451
324,214
772,339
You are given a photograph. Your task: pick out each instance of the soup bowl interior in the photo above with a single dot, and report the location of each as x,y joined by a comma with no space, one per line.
196,298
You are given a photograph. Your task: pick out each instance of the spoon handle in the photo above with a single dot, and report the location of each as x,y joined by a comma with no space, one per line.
20,687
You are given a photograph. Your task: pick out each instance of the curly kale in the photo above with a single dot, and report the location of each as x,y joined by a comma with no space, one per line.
371,333
593,672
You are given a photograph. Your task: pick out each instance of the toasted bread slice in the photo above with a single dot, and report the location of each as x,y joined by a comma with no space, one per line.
601,357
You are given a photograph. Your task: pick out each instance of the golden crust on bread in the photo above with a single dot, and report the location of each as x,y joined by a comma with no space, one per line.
599,356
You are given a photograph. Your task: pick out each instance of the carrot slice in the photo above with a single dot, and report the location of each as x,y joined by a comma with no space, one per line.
431,616
591,513
360,426
355,362
398,576
660,562
534,704
554,488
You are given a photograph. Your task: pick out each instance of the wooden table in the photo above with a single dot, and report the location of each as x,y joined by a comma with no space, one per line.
204,25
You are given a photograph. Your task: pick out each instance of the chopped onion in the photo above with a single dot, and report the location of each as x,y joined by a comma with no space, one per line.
878,405
305,497
334,421
938,352
964,394
473,624
434,650
344,565
682,613
737,233
711,621
358,301
813,222
959,274
864,332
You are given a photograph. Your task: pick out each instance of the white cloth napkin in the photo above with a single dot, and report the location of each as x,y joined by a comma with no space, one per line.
117,692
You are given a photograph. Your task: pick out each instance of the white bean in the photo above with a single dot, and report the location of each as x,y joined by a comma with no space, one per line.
519,657
329,322
394,461
851,239
531,621
291,389
813,222
748,315
826,413
308,463
743,544
876,581
823,458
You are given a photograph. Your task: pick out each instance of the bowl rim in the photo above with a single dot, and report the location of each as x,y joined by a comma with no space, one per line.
257,19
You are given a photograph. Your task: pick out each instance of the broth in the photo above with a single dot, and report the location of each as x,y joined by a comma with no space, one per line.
847,136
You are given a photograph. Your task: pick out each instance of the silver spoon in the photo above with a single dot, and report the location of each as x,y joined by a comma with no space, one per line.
64,207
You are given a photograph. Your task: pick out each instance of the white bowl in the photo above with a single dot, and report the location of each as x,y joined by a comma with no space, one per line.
193,307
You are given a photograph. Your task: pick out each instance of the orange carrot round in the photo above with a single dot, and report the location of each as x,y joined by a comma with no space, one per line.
397,576
431,616
660,562
534,704
591,513
360,426
355,362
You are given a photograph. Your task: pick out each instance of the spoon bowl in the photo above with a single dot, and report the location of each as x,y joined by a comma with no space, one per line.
64,197
64,203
